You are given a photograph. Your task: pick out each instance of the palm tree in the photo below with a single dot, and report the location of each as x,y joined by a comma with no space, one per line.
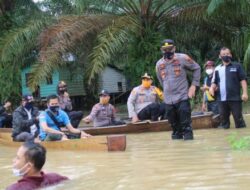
233,21
132,28
125,32
17,40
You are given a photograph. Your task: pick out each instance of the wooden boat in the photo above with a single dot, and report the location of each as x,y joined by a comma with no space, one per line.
203,121
114,142
98,143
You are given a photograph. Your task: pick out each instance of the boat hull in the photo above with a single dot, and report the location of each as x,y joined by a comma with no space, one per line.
100,143
204,121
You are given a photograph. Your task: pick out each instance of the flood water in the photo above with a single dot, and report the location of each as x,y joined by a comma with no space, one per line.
151,161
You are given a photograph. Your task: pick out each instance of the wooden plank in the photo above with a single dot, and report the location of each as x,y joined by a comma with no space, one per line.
100,143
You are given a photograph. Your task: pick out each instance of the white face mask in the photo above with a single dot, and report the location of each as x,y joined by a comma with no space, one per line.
18,172
209,71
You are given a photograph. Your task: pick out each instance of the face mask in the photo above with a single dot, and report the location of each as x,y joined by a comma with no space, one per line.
209,71
168,55
29,105
18,173
54,108
226,58
104,101
146,83
62,90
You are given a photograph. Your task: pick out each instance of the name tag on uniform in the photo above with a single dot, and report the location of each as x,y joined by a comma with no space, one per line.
233,69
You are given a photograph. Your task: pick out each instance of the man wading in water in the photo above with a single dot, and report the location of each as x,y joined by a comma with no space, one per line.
171,71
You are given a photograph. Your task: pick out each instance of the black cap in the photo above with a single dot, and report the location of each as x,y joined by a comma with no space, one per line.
27,97
167,43
104,92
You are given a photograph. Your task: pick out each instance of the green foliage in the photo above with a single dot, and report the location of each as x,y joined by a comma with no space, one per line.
143,54
10,83
125,33
239,143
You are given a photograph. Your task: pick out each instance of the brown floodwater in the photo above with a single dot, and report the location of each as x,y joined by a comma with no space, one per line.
151,161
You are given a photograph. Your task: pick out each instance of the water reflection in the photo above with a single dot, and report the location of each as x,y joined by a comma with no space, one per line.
152,161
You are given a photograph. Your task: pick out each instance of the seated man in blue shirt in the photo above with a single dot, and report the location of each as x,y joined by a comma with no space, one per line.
52,119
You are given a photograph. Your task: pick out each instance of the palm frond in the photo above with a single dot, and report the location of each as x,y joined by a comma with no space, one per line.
63,38
95,7
19,41
246,60
110,41
213,5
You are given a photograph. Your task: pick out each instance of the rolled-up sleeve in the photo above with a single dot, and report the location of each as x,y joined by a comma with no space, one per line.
158,75
190,64
241,73
93,113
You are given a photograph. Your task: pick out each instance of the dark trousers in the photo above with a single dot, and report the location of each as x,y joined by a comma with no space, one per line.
213,107
58,137
6,121
179,116
75,117
152,111
234,107
24,136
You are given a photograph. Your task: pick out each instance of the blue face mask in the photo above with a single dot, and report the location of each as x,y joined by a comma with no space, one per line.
29,105
54,109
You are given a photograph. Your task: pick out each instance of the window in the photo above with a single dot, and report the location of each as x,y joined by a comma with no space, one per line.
119,84
49,80
27,78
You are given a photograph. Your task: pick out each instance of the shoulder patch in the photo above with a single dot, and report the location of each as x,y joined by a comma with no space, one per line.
188,59
133,92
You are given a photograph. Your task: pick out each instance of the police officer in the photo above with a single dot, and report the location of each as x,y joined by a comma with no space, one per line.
171,71
229,77
103,113
143,102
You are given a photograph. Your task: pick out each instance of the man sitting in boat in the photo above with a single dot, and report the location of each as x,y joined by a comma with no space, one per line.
103,113
27,164
51,121
143,102
5,117
66,104
25,120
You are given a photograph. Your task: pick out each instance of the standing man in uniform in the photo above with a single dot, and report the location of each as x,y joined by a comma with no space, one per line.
171,71
144,101
103,113
229,77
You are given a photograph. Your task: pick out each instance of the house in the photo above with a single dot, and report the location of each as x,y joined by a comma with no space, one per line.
110,79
